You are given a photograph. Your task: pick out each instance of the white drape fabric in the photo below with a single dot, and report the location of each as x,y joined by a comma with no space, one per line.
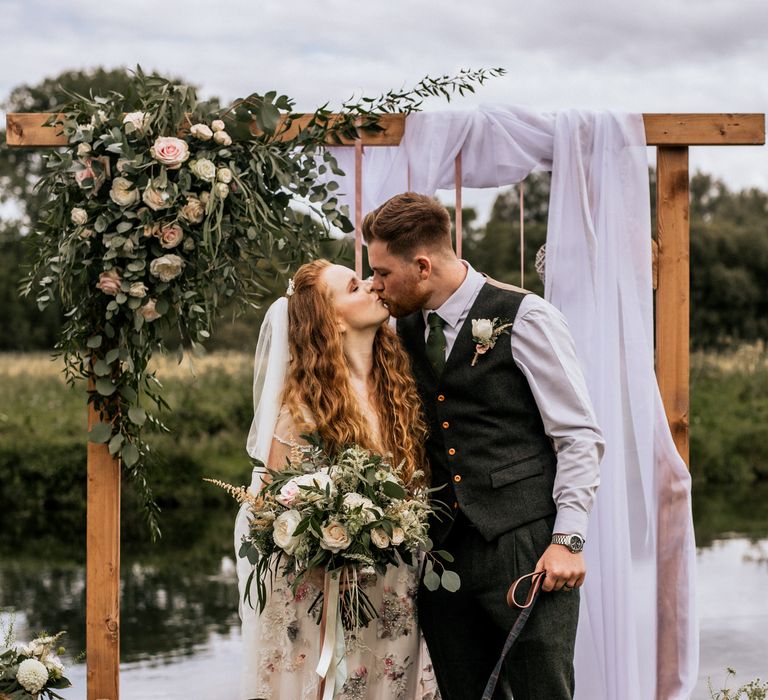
638,633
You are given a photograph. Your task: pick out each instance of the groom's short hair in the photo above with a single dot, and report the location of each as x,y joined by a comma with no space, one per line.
409,221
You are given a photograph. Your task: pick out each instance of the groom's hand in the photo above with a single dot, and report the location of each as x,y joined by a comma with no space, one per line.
563,567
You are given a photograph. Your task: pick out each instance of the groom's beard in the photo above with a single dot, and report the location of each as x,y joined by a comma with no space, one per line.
406,303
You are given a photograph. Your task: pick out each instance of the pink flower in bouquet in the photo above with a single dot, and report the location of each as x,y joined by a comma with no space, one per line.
148,311
109,282
288,493
170,151
96,174
481,349
170,235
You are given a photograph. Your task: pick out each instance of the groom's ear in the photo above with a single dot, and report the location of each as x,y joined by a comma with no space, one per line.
424,265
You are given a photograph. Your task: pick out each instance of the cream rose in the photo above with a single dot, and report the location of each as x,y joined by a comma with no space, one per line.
123,193
121,163
109,282
335,537
204,197
369,511
83,149
97,174
79,216
170,151
398,535
482,329
193,211
283,528
218,125
204,169
166,267
201,131
138,119
148,311
380,538
222,190
138,290
224,175
151,230
222,138
170,235
155,199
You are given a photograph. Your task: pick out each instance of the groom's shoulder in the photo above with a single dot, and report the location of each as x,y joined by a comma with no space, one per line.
506,287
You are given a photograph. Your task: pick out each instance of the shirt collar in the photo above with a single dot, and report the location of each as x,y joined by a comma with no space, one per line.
454,308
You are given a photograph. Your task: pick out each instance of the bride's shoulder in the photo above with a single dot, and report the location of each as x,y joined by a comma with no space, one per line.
288,429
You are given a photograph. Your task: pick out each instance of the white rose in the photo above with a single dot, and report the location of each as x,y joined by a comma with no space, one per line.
204,169
79,216
222,190
32,675
193,211
355,500
138,290
380,538
138,119
222,138
155,199
83,149
224,175
166,267
148,311
398,535
335,537
482,328
289,492
123,193
283,528
170,151
218,125
201,131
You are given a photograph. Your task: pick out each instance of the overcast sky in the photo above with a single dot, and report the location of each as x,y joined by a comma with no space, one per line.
654,56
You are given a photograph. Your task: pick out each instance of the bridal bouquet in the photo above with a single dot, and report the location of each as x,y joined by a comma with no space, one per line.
346,515
31,671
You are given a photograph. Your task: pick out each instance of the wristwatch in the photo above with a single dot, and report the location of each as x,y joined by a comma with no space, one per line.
574,542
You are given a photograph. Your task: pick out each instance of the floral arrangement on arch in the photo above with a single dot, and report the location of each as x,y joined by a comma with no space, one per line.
157,217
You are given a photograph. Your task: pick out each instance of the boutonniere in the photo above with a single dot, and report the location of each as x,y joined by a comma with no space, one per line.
485,333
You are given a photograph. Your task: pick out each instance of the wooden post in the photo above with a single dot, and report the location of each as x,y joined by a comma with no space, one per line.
673,292
102,588
359,208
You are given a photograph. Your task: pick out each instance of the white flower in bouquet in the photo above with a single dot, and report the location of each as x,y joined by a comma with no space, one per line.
222,138
398,536
138,290
54,665
222,190
354,500
99,118
79,216
123,193
155,199
224,175
335,537
201,131
32,675
166,267
149,312
204,169
193,211
380,538
83,149
291,491
170,151
283,528
218,125
482,329
140,120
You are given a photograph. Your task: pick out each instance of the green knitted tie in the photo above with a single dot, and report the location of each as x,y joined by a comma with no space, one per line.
436,343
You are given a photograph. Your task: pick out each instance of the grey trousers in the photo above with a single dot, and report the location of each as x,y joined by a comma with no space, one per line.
465,631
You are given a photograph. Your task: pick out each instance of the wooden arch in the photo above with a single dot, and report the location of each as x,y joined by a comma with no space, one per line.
671,134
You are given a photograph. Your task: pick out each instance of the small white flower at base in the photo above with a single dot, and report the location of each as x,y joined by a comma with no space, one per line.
283,528
32,675
201,131
79,216
224,175
222,190
218,125
222,138
204,169
335,537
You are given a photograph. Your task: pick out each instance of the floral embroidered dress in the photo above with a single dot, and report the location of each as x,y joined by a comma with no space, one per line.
387,660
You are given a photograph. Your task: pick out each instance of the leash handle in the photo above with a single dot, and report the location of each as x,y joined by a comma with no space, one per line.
525,610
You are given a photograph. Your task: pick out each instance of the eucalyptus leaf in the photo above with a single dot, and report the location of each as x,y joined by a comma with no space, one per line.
105,387
451,581
130,454
137,415
100,432
94,341
431,580
115,443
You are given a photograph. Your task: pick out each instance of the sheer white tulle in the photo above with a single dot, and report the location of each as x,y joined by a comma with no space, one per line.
638,633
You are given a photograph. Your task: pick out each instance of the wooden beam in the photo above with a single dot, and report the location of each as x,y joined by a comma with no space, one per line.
102,587
660,130
673,289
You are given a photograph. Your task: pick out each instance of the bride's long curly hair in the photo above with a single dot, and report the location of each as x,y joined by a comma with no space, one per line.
318,379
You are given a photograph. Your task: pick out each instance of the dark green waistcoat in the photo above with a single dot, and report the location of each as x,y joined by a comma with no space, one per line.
486,443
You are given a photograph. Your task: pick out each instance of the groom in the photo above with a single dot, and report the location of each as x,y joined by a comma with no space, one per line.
514,441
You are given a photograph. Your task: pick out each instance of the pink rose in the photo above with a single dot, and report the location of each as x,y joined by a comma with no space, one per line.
148,311
170,235
109,282
97,174
481,349
170,151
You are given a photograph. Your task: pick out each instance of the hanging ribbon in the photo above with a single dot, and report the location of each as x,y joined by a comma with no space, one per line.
332,650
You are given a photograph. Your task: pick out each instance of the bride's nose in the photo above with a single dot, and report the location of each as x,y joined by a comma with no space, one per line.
368,285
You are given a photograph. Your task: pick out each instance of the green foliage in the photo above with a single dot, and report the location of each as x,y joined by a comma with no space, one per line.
754,690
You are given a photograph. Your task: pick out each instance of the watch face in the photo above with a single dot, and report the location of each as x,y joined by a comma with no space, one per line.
576,544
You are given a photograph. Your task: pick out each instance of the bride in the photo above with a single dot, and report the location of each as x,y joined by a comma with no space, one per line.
348,380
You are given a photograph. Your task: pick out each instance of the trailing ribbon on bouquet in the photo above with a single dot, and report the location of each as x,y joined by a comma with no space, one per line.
525,610
332,649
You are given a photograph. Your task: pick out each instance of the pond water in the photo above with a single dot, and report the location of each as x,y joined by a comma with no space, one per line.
180,631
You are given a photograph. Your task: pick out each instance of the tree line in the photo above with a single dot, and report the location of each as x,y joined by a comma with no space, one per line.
729,240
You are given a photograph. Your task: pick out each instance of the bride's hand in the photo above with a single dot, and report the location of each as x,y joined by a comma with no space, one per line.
316,576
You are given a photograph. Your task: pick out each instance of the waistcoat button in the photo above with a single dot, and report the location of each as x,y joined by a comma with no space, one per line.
446,424
457,478
452,452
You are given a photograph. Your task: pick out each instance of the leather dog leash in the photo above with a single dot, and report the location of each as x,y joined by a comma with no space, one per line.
525,610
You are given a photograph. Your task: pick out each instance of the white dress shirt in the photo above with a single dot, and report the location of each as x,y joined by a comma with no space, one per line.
543,349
